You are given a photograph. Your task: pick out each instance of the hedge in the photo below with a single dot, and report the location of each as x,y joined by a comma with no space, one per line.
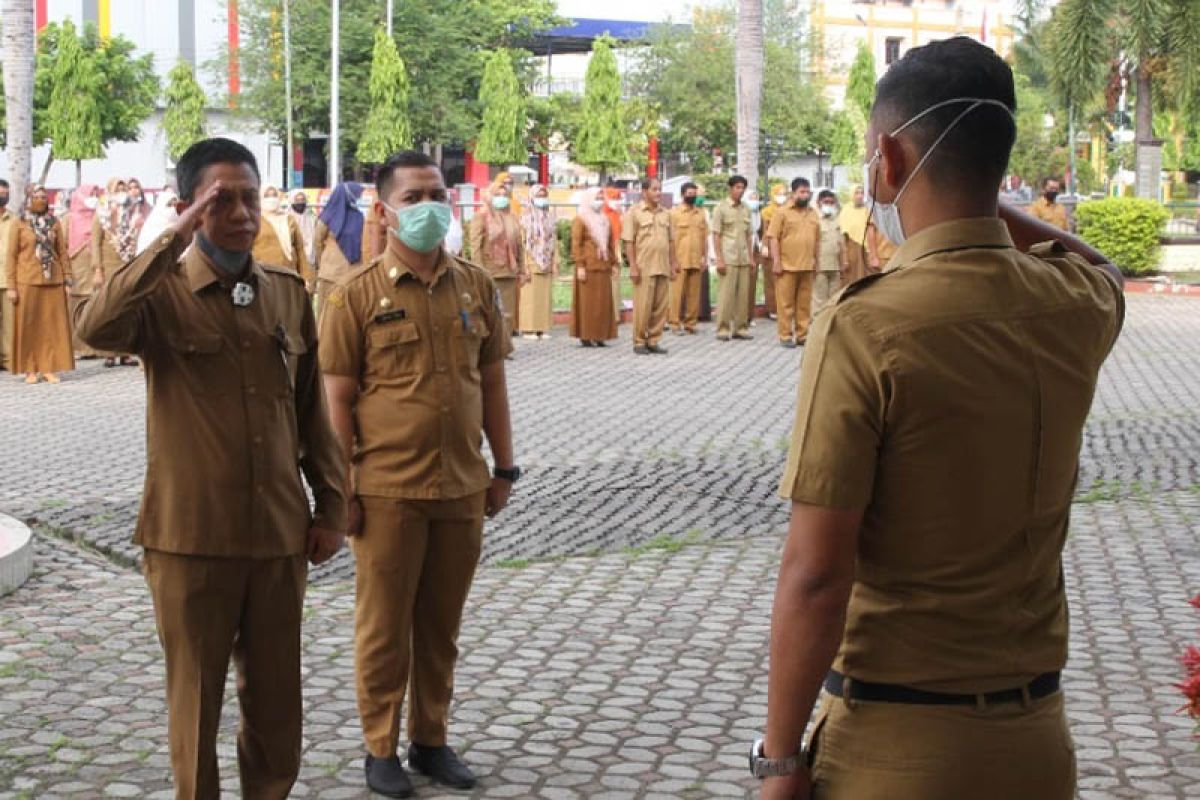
1126,229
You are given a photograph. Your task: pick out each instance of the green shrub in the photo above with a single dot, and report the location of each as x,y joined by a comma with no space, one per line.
562,229
1125,229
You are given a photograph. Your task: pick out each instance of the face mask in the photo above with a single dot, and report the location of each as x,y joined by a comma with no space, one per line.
690,200
231,262
780,199
753,204
38,206
3,200
423,226
363,205
270,204
827,211
1051,196
120,198
803,203
299,207
886,215
90,203
500,203
541,202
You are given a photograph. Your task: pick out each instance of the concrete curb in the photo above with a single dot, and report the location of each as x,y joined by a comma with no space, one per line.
16,554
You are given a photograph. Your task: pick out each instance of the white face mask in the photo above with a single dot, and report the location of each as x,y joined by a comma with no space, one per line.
886,216
780,199
270,204
827,210
615,205
597,205
120,198
91,203
541,202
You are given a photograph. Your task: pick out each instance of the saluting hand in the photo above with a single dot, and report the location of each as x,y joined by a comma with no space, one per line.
185,227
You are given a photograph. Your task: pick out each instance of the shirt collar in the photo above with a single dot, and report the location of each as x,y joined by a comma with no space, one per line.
958,234
201,273
396,269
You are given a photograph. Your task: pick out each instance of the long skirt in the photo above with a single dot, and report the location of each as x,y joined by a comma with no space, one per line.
537,300
592,317
41,331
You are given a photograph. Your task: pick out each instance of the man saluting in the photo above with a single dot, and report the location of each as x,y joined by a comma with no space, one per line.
235,412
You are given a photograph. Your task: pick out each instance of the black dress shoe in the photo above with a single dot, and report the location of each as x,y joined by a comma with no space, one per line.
441,765
585,342
386,776
600,343
641,350
657,350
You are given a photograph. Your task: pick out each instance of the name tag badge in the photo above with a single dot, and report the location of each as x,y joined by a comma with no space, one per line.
391,316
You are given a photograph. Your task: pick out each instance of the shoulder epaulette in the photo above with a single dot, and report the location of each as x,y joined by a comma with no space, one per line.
860,285
275,269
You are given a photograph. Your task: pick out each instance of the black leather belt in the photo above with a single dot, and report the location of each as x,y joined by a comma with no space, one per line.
836,683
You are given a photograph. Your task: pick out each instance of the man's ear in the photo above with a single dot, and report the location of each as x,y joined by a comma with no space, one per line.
893,166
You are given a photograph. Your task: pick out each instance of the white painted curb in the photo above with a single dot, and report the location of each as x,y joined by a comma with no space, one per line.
16,554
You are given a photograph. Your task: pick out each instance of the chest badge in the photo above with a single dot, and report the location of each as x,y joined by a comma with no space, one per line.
242,294
394,273
385,302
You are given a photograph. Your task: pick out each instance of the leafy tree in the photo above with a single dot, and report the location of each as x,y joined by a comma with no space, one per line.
603,140
183,119
860,86
502,138
387,129
73,114
1039,151
848,148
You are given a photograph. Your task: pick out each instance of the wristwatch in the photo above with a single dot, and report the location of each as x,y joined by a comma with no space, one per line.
511,475
763,767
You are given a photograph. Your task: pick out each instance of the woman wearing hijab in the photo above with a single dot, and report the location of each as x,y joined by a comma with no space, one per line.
612,212
79,226
115,232
505,180
496,246
139,210
162,216
541,263
305,219
338,241
594,244
38,268
280,242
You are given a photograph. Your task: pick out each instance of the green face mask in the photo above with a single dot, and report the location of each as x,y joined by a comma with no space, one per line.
423,226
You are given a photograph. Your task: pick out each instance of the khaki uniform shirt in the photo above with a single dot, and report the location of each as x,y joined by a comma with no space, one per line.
734,225
416,353
6,218
1052,213
236,406
853,221
477,236
331,261
830,256
689,227
22,264
269,250
796,231
83,273
650,232
947,397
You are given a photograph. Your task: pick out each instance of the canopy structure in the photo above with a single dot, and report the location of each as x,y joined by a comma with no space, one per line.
578,35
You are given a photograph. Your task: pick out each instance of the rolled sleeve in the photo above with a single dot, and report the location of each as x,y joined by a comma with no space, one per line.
341,336
840,415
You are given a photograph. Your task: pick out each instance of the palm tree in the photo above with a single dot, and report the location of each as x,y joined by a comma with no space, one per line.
748,66
1155,41
19,44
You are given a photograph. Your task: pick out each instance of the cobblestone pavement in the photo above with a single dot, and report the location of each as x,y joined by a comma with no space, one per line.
637,672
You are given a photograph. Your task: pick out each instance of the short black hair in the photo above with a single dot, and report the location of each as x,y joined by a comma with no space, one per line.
798,182
689,185
405,159
736,179
203,154
3,183
824,193
647,181
977,150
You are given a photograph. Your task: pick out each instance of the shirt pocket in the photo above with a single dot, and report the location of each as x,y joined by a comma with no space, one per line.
394,349
471,337
290,349
198,357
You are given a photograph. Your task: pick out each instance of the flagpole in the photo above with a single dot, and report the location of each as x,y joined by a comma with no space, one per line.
389,18
335,160
289,168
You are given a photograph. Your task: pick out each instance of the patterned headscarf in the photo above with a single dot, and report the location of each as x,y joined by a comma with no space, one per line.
540,235
597,222
501,241
45,231
344,220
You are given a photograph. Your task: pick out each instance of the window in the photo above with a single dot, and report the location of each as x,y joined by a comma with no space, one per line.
891,50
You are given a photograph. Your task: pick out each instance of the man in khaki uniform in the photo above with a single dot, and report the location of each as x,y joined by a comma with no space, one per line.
652,265
733,241
794,241
6,310
413,347
1046,207
831,261
689,228
933,463
236,411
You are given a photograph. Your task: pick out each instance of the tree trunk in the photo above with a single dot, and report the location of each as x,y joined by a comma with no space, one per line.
748,68
1143,110
18,45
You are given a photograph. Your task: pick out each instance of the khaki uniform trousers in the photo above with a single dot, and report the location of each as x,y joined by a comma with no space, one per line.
685,299
768,288
734,306
507,287
826,284
793,293
650,301
894,751
6,329
415,563
206,610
